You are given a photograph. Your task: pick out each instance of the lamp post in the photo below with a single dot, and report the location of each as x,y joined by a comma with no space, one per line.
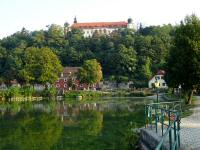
157,84
179,90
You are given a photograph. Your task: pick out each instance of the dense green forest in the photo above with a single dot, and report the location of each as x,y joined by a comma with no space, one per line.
124,55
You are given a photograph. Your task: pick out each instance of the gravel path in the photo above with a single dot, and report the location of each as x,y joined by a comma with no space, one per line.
190,128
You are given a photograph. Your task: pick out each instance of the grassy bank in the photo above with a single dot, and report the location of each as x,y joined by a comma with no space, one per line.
26,94
86,94
114,93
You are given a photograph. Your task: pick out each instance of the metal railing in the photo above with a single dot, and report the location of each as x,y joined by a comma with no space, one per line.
165,115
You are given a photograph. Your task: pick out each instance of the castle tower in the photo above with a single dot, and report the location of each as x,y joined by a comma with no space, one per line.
130,24
75,20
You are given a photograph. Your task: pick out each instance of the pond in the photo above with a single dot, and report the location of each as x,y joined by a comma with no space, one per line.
101,125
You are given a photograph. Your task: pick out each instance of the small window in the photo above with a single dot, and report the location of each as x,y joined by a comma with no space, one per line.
65,85
152,84
157,77
65,79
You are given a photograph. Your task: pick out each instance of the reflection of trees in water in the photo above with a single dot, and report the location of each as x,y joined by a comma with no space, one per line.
68,111
83,133
90,122
86,126
29,131
14,108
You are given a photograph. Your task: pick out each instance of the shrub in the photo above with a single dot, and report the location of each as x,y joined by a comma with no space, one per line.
50,93
84,94
27,91
12,92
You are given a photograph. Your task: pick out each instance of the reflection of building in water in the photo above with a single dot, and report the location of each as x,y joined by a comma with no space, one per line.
69,112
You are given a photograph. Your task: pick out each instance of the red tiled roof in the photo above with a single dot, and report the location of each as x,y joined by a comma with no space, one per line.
160,72
121,24
70,70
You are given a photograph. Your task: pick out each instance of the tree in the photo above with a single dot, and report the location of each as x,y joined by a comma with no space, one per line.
143,72
90,72
183,66
121,63
41,65
127,60
2,62
13,63
39,38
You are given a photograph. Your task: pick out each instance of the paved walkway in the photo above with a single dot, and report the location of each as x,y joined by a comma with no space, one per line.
190,128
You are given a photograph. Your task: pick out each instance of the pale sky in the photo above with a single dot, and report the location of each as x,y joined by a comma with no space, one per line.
36,14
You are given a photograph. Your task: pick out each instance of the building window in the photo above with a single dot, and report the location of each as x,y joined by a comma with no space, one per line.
57,85
152,84
61,74
65,79
65,85
100,31
157,77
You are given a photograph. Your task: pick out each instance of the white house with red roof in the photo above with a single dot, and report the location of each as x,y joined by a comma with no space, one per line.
101,28
159,78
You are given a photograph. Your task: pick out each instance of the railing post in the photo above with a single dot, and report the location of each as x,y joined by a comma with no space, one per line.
156,119
175,134
162,120
150,109
178,125
170,133
145,116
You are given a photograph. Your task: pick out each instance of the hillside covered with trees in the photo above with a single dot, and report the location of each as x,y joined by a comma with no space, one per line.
125,55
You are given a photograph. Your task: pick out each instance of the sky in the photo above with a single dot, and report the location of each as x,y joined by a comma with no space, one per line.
37,14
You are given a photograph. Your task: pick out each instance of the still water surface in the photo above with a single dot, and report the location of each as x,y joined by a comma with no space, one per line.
100,125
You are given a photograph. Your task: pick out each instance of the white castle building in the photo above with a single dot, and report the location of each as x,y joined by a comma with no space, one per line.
106,28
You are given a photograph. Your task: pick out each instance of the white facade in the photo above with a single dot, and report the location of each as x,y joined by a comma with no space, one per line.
160,80
103,31
102,28
90,32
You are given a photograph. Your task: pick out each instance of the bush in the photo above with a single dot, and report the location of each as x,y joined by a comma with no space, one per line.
27,91
12,92
50,93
